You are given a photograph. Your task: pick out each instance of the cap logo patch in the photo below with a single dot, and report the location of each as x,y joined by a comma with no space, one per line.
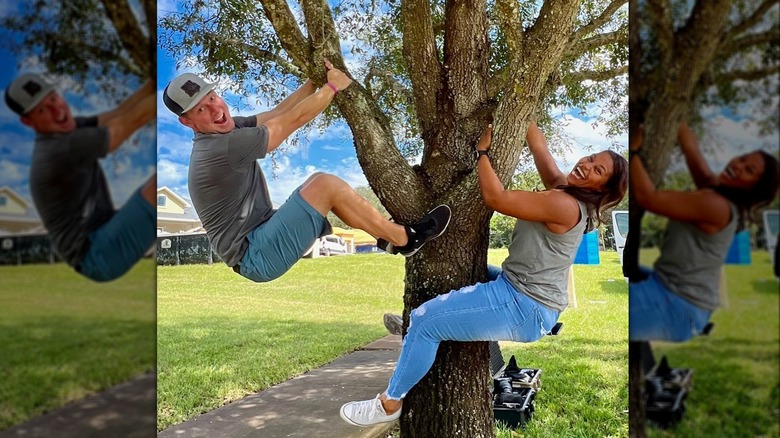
32,88
190,88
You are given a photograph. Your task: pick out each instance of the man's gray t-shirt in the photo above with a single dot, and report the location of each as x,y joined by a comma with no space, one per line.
227,186
539,260
69,188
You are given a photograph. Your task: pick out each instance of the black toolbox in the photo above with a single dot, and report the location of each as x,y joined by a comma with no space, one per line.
666,389
514,391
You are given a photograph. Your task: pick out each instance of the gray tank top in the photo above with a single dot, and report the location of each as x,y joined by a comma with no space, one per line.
539,260
690,260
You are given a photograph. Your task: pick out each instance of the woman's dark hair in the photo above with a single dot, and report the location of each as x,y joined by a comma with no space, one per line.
597,201
749,201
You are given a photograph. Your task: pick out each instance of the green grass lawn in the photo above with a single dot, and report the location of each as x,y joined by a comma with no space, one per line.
737,367
221,337
64,337
584,369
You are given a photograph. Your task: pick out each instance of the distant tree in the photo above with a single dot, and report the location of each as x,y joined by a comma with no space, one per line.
369,196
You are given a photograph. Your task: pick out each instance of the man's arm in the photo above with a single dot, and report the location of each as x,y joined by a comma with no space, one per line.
282,126
124,107
136,111
304,91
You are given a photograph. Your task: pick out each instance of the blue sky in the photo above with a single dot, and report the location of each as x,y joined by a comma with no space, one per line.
126,169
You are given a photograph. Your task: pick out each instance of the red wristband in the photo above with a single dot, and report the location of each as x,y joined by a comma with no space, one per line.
335,90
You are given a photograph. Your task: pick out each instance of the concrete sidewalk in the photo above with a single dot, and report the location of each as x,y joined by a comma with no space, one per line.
128,410
306,406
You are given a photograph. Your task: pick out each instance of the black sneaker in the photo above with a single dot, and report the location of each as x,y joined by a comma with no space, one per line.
428,228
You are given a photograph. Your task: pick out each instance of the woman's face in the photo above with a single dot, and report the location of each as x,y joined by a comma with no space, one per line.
592,172
743,172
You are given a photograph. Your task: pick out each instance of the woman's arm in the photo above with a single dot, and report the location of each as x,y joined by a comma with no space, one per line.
557,210
700,171
706,209
545,164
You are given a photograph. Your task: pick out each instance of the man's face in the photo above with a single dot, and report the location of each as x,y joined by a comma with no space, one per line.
209,116
51,116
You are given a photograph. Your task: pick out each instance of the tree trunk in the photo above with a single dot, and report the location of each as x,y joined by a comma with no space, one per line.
636,404
453,399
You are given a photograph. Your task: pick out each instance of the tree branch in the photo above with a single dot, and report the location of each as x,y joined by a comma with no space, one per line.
466,54
422,61
389,80
497,82
322,32
509,19
595,75
659,12
546,43
597,22
256,52
600,40
129,33
382,162
749,40
281,17
749,22
748,75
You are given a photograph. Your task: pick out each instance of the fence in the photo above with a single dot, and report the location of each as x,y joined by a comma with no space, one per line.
27,249
185,249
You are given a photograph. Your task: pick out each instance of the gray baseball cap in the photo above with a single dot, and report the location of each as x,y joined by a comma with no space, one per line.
184,92
26,92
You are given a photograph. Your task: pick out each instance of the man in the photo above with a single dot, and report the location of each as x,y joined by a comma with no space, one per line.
229,191
69,187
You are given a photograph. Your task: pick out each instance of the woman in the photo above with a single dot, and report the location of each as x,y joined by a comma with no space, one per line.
523,302
675,301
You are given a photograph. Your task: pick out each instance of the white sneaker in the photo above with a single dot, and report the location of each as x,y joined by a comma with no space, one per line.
367,413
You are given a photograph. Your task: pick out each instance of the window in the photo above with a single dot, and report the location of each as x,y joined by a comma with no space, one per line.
161,200
3,200
622,223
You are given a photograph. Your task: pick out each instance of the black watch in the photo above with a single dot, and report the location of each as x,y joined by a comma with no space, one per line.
481,153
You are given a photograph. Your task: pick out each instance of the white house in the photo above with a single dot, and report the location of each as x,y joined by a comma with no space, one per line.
174,214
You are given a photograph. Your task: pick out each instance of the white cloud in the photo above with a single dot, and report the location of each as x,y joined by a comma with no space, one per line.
13,173
586,140
284,177
171,174
724,138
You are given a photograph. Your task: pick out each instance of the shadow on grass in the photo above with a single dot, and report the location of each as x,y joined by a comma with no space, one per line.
50,361
767,286
616,286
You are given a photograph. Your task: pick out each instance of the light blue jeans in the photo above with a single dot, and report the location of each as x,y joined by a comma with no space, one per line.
493,311
657,314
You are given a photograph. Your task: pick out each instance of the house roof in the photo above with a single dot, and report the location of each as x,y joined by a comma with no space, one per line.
189,215
19,199
172,195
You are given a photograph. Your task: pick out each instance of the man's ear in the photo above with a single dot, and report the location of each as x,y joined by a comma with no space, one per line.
186,122
26,121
